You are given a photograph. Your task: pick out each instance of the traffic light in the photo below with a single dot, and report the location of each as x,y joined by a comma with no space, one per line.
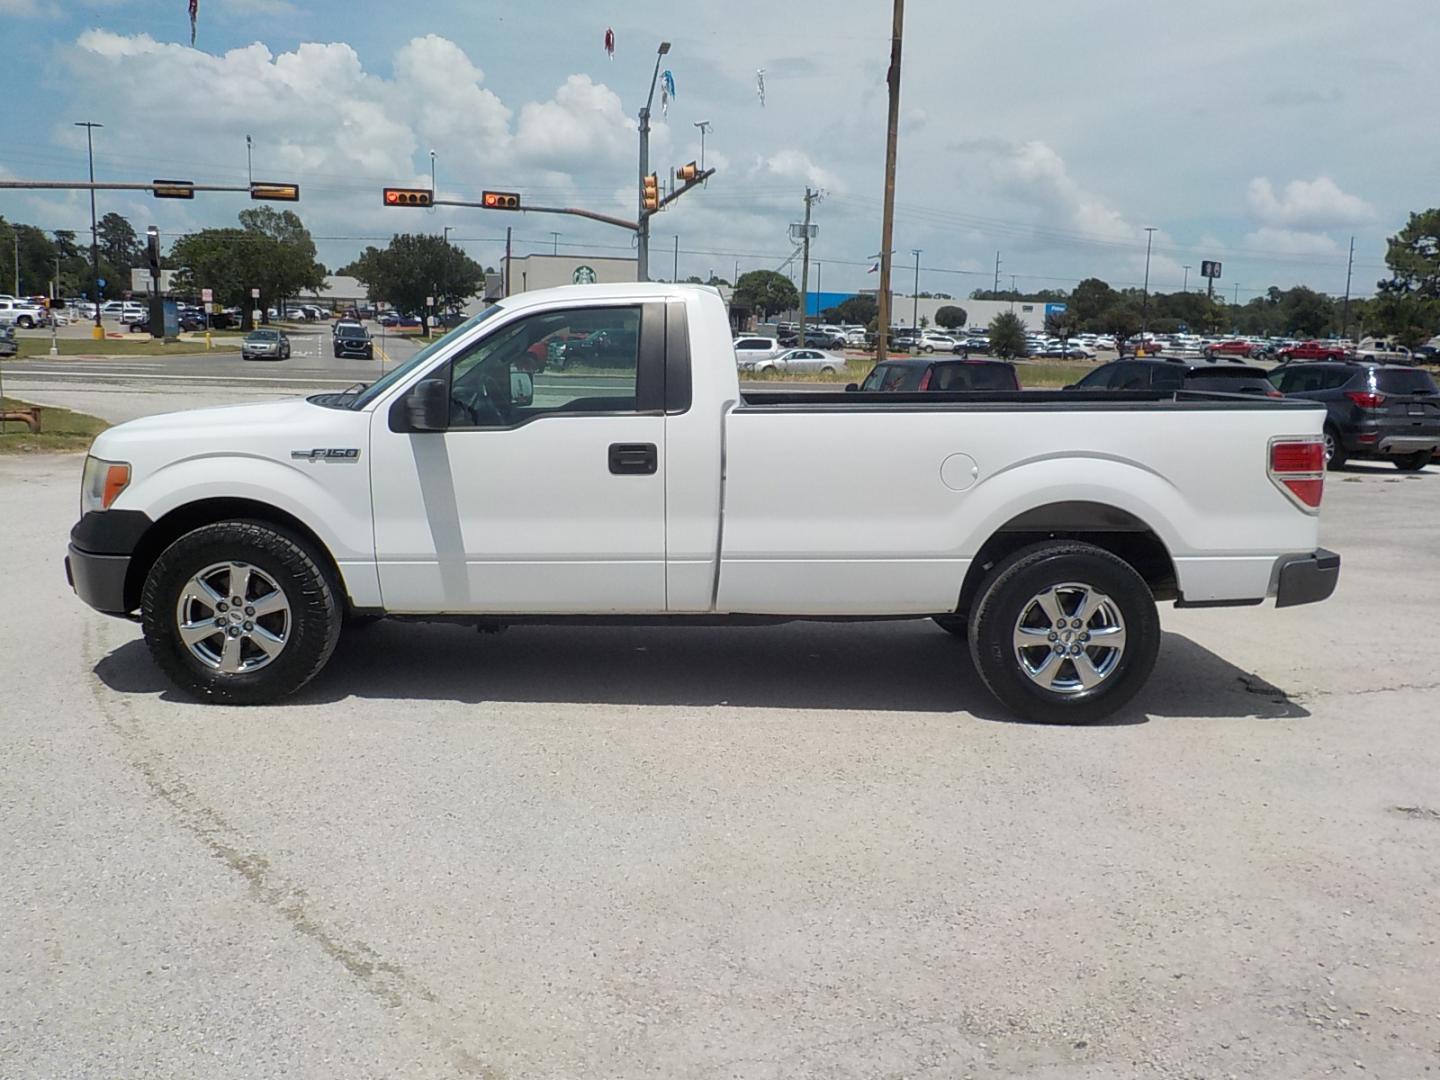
275,192
406,196
173,189
500,200
152,249
650,193
687,173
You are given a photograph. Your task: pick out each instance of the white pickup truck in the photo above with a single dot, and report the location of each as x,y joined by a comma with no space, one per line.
479,483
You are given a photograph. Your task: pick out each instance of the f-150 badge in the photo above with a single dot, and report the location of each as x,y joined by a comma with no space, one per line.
327,454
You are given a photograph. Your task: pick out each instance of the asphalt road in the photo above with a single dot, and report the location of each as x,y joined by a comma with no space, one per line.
806,851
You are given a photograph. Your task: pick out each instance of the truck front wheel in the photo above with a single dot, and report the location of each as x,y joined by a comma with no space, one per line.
240,612
1064,632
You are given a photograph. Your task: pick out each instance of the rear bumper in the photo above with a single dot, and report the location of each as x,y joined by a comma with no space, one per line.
1307,579
1406,444
99,580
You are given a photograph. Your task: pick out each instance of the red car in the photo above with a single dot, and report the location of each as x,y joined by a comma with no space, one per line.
1231,348
1312,350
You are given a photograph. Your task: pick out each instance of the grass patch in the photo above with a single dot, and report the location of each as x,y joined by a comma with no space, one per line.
853,371
40,347
60,431
1052,375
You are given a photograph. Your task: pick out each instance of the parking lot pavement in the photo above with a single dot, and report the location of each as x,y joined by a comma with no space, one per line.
814,850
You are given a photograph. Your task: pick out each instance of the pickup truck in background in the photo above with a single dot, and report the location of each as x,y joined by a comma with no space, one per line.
641,485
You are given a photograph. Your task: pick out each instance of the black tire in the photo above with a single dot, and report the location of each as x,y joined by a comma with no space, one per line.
314,621
1413,462
1335,456
25,322
955,625
1010,594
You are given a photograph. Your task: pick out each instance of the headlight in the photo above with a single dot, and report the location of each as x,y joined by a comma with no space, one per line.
102,484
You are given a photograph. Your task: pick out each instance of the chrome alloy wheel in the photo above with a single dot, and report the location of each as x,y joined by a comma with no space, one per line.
233,618
1069,639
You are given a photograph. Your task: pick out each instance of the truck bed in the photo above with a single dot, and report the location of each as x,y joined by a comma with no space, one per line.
992,400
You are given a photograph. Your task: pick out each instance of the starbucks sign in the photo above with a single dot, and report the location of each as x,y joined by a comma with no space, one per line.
585,275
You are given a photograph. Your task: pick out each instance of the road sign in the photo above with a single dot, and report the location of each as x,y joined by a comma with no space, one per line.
100,282
1209,269
429,301
254,294
207,295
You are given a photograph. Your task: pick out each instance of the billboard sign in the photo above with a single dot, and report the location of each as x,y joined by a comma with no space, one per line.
1209,269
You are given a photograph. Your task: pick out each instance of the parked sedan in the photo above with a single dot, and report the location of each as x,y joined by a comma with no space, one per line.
1062,351
265,345
798,361
1234,347
912,376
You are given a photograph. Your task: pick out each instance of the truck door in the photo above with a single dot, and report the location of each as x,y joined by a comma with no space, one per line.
546,492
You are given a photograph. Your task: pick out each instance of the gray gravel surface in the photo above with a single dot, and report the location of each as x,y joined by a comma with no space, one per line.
808,851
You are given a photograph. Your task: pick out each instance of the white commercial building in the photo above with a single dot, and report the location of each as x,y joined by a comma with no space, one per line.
531,272
906,310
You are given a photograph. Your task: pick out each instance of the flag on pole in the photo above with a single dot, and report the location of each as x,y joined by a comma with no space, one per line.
610,43
760,85
874,269
667,90
194,12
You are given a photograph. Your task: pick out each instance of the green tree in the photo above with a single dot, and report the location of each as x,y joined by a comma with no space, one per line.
951,317
1089,301
855,310
1121,319
1062,324
120,247
417,265
1007,335
271,251
1408,303
765,292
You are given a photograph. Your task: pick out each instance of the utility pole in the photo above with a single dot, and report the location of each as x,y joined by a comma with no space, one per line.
810,199
1186,286
90,127
1237,294
507,260
675,270
1012,292
915,292
887,223
996,289
1345,319
642,234
1145,296
555,242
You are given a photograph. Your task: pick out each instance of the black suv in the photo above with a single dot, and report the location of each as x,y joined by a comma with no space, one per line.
1158,373
352,339
1375,410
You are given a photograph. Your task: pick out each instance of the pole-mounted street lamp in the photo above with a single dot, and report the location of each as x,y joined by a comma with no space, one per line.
642,248
90,127
1145,296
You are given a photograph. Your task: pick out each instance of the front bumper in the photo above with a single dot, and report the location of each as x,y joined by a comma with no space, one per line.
1307,579
99,580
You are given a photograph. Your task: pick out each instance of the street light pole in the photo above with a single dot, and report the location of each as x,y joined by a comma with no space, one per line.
1145,296
249,164
90,127
887,216
642,234
1186,286
915,293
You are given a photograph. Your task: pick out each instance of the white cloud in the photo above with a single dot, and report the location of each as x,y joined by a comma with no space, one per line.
1307,205
792,165
27,9
1269,239
585,122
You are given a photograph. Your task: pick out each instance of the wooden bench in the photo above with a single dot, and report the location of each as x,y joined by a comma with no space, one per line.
29,416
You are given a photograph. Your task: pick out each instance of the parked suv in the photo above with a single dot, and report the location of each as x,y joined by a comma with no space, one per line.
1382,350
922,375
750,349
1376,410
1158,373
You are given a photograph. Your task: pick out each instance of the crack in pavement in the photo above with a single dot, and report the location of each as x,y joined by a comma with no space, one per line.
390,983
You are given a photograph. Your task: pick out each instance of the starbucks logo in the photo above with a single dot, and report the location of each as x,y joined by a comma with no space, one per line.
585,275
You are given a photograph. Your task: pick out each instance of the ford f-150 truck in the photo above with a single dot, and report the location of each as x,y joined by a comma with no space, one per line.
477,482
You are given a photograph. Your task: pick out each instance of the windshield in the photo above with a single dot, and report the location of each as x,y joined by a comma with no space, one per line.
263,335
420,359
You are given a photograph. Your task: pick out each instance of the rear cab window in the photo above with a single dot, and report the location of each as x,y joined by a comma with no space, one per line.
973,377
893,378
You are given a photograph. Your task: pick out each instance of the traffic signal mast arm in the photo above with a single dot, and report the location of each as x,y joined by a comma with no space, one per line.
698,179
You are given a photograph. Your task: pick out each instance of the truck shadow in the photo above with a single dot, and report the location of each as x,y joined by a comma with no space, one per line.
875,667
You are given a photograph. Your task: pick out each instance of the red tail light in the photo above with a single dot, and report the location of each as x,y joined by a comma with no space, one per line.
1297,467
1273,393
1366,399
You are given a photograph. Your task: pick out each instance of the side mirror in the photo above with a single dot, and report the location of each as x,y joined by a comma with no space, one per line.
427,406
522,388
852,387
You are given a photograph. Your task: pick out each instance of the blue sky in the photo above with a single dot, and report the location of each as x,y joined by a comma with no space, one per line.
1260,135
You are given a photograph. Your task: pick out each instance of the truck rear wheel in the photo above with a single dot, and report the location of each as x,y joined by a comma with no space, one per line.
240,612
1064,632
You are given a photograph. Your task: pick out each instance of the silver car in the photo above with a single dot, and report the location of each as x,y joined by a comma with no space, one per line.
801,361
265,344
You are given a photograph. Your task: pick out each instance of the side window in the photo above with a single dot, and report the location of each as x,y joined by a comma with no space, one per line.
1131,377
1169,378
1336,378
584,360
